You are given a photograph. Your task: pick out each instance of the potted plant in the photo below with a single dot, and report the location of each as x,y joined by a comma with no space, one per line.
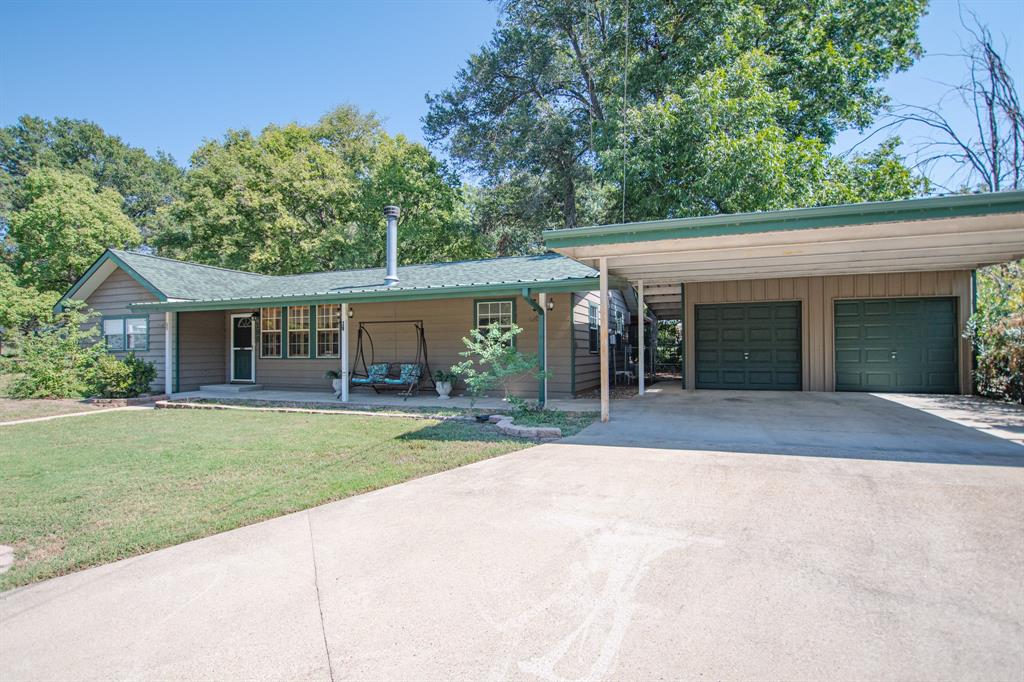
335,377
443,380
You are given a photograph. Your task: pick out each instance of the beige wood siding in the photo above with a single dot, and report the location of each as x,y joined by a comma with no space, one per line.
818,295
201,338
588,365
112,297
446,322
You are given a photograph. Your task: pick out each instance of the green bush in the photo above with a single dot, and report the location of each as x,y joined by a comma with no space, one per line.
493,361
113,378
996,331
54,360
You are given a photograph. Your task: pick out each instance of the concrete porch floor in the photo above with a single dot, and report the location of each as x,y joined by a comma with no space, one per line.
368,399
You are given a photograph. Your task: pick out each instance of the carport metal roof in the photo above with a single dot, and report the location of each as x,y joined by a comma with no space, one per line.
956,232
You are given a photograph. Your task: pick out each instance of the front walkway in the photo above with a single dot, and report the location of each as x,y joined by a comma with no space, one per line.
365,398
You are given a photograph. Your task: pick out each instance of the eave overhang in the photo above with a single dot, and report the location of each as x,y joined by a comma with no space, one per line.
378,296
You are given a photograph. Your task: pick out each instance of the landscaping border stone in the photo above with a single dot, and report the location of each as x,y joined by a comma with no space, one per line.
502,422
126,402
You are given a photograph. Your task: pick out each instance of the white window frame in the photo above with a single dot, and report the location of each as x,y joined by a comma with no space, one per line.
122,321
593,325
275,315
307,330
323,326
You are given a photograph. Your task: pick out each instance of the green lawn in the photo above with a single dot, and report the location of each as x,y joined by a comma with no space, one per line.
12,410
86,491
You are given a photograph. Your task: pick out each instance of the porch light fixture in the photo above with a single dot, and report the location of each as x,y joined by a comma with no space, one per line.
551,304
351,311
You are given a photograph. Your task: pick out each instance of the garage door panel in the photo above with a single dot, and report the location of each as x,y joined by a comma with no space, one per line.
753,346
908,345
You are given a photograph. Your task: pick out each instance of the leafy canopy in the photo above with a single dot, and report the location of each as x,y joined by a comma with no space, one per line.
300,198
65,224
144,182
542,112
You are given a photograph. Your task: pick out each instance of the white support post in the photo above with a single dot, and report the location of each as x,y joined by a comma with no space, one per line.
641,328
169,321
542,300
344,353
603,334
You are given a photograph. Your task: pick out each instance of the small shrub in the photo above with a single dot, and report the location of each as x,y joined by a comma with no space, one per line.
54,360
128,378
492,360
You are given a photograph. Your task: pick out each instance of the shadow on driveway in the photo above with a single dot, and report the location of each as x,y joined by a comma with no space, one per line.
851,425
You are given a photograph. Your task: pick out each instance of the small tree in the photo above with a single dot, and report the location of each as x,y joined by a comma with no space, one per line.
54,361
492,359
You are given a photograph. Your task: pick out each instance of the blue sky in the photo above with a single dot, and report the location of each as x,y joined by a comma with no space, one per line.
168,75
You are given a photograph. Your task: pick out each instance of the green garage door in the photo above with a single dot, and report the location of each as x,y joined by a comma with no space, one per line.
901,344
748,345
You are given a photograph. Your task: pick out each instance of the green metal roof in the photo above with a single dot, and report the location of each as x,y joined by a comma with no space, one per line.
198,286
929,208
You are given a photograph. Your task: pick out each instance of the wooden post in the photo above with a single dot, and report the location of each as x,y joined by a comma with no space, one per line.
344,353
605,388
542,300
640,329
169,368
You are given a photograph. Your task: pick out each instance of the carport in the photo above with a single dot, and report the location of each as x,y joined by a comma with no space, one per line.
862,297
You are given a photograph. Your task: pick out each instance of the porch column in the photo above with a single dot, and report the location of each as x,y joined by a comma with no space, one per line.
640,329
542,299
603,335
170,319
344,353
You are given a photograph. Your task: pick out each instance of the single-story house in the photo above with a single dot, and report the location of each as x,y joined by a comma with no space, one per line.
864,297
203,325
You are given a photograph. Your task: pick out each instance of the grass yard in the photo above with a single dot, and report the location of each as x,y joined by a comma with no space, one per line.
86,491
11,410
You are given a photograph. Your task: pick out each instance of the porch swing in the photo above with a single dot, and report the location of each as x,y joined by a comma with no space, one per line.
403,376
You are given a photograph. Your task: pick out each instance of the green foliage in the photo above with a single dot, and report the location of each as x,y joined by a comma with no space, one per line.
996,331
669,346
65,223
23,308
55,360
538,111
303,198
110,377
722,146
142,182
446,376
492,360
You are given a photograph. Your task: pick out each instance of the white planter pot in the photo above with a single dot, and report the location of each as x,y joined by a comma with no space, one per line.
443,389
336,385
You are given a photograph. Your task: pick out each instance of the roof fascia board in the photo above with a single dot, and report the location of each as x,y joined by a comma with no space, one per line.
108,255
930,208
576,284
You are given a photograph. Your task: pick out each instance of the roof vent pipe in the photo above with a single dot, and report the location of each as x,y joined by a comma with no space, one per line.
391,215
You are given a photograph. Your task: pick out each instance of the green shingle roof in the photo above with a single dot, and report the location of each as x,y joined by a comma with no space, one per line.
202,283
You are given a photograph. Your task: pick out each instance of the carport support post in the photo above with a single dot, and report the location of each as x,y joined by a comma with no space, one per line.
640,333
604,338
344,353
169,368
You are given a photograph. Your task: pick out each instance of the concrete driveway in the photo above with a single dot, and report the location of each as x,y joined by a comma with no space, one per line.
793,544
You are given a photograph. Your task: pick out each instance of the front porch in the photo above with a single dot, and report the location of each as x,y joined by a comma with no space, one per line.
365,398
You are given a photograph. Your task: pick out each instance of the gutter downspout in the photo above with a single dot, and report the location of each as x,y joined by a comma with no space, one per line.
542,323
